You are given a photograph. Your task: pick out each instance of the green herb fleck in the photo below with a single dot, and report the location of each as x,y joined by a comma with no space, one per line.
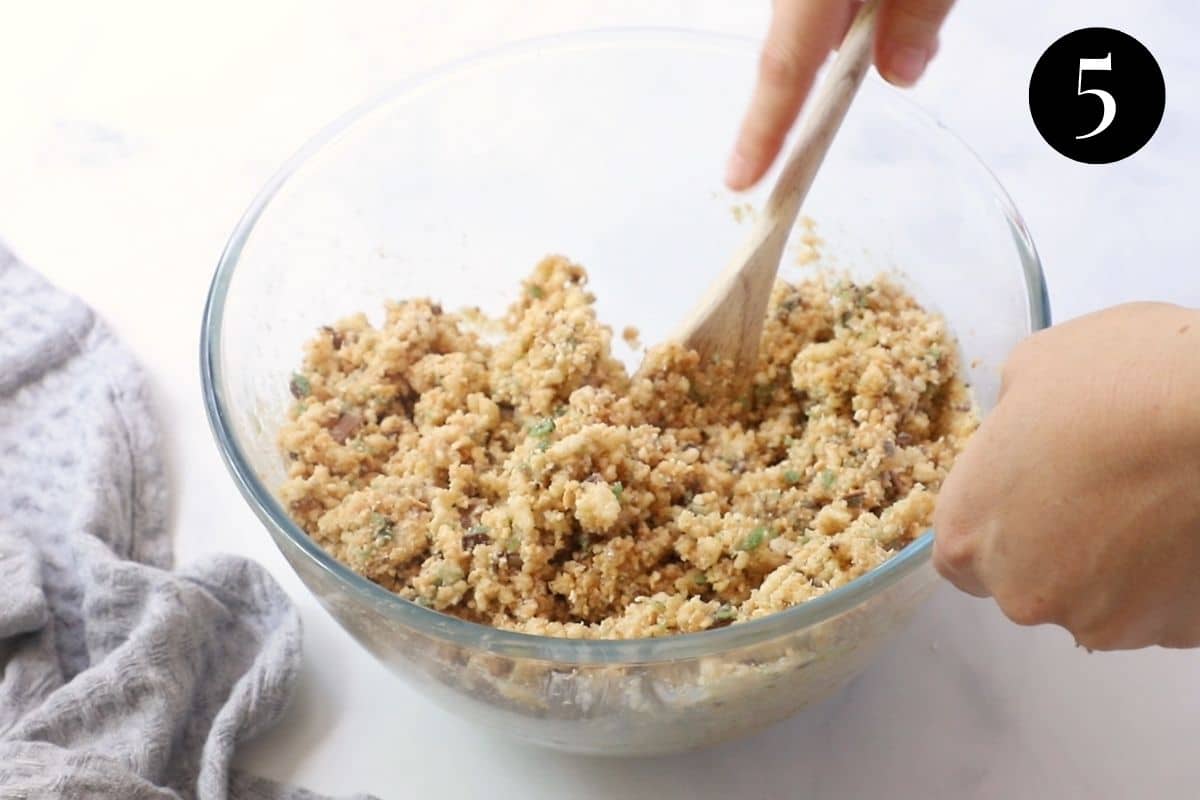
585,541
299,386
382,526
424,602
700,578
618,490
478,529
301,408
543,445
935,354
514,544
725,613
542,428
791,476
786,308
448,575
828,478
561,410
535,291
754,538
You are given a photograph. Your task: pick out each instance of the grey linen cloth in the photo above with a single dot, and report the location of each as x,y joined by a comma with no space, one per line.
121,678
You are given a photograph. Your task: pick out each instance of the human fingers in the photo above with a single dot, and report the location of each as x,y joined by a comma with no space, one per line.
907,38
801,35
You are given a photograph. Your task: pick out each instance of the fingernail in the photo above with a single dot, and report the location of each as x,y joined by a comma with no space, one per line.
737,172
905,65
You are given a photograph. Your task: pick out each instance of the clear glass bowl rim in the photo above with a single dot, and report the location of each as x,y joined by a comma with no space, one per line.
509,643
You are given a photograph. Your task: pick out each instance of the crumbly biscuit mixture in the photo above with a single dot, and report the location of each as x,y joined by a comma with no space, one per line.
528,482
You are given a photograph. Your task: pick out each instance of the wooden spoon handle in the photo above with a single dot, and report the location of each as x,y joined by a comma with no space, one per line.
725,326
821,123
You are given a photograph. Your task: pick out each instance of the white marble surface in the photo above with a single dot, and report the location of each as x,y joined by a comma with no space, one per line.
132,135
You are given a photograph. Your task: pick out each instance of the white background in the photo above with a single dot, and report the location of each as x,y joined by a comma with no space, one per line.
132,135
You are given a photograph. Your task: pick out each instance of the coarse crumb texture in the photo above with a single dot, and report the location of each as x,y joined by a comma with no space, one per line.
526,481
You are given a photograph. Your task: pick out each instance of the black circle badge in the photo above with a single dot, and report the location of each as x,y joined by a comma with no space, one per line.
1097,95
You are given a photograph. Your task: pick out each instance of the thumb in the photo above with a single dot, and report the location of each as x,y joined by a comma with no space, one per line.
907,38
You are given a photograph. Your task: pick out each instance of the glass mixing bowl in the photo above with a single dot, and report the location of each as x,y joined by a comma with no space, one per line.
606,147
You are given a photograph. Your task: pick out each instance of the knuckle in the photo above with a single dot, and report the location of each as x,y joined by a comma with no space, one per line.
1099,638
953,553
953,527
1128,627
943,562
1186,642
954,544
1181,638
1027,608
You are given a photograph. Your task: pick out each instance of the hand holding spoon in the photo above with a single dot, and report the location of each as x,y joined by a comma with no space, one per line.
725,327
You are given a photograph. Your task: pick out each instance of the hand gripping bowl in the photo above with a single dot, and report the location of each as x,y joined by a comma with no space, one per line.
606,147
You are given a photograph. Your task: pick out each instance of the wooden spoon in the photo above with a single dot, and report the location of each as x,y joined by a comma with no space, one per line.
727,324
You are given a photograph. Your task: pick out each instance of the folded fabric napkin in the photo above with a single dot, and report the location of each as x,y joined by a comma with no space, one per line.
121,678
